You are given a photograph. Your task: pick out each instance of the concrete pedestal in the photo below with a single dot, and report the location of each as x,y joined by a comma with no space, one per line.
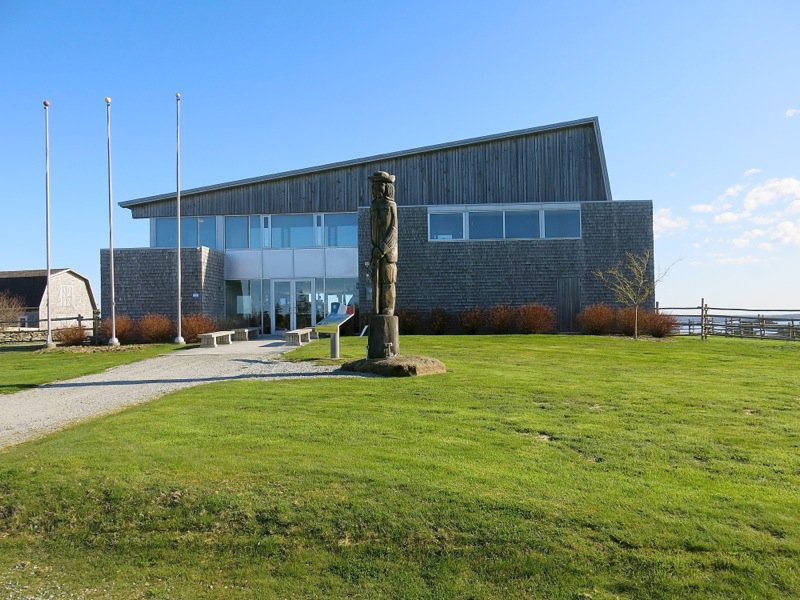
384,337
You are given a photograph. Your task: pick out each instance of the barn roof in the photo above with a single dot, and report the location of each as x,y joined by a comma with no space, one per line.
30,285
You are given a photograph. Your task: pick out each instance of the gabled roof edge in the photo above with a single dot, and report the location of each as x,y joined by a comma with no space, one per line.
379,157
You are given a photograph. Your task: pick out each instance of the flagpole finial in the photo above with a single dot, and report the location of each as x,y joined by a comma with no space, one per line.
108,100
46,103
178,95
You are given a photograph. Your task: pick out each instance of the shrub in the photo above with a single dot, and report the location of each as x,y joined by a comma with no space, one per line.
660,324
438,320
193,325
596,319
126,329
11,307
74,335
502,318
626,321
156,328
536,318
409,321
472,319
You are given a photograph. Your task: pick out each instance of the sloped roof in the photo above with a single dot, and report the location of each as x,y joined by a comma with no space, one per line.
30,285
590,121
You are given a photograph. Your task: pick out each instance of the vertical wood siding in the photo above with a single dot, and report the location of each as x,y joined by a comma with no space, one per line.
561,165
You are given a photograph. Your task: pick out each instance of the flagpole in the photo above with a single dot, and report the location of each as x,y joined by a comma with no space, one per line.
46,103
179,339
113,341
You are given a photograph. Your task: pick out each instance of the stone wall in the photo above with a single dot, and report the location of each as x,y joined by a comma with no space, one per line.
463,274
145,282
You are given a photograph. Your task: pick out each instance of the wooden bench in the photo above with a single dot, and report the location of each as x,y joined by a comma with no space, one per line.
297,337
242,334
210,340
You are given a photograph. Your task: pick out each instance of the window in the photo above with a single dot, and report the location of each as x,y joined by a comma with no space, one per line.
207,227
341,229
446,226
292,231
514,222
562,224
265,232
166,233
522,224
189,232
486,225
66,296
236,232
195,231
255,232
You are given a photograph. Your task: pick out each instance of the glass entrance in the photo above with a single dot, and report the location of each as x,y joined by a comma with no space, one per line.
294,303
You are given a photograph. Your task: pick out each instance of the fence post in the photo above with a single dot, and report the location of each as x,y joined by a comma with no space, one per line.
702,318
95,325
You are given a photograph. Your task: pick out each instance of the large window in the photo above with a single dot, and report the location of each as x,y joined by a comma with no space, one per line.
236,232
195,232
486,225
562,223
446,226
341,229
293,231
517,223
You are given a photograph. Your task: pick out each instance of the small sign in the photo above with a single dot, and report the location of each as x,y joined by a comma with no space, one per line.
331,323
195,294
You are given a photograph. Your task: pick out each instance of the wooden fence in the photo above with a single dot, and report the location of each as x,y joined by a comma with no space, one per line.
11,332
705,321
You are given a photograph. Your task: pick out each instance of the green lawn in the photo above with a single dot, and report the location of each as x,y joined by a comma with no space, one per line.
537,467
26,366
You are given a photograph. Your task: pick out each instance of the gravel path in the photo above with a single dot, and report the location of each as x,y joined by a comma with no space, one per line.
36,412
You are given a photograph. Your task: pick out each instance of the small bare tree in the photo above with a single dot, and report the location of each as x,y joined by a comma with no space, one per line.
630,282
11,307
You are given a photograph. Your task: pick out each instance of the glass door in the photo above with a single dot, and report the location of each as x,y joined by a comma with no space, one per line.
303,303
294,304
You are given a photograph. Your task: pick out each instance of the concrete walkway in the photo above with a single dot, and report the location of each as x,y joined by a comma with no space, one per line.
36,412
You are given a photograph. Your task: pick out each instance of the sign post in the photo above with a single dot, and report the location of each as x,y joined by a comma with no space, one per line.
331,324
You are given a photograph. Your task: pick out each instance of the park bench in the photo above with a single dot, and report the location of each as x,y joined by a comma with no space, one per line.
297,337
210,340
242,334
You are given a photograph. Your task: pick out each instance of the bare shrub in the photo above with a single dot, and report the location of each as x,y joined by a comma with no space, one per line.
536,318
11,308
74,335
472,320
596,319
502,318
193,325
126,329
409,321
660,325
438,320
630,321
154,328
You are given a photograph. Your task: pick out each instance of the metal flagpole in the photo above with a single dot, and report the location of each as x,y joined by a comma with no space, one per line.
179,339
113,341
49,343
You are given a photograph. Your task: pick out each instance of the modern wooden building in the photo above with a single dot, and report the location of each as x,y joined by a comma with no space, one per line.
514,218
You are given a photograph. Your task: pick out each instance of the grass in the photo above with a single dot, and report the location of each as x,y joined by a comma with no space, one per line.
26,366
537,467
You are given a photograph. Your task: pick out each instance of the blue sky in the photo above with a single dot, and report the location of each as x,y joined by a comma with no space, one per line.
699,108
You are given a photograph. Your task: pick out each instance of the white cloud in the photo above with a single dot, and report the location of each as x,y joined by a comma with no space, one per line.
730,217
737,260
732,191
747,237
702,208
664,223
787,232
751,172
792,112
787,189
